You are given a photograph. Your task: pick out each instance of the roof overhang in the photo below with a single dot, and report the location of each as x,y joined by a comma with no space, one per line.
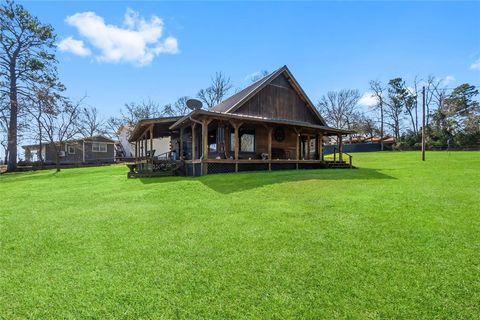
161,127
194,115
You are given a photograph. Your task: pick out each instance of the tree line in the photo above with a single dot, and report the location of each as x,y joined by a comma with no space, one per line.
452,115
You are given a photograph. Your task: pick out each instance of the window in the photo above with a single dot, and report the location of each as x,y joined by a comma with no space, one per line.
99,147
247,141
71,149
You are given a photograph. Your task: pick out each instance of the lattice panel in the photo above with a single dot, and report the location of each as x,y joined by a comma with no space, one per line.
283,166
252,167
221,168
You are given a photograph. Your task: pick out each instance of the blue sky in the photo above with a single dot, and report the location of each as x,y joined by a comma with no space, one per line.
327,45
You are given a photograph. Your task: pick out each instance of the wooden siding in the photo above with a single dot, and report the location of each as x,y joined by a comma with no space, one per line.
77,157
279,100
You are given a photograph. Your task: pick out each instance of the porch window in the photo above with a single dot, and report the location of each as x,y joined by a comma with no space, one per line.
247,141
71,149
99,147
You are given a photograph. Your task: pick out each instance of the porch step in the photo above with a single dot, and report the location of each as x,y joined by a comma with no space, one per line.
340,165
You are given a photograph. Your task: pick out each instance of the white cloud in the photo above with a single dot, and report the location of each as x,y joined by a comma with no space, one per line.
368,100
447,80
138,41
475,65
74,46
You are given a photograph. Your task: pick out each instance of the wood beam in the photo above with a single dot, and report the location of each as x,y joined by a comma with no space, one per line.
320,146
308,148
227,141
236,126
270,130
151,139
194,140
205,123
180,152
340,147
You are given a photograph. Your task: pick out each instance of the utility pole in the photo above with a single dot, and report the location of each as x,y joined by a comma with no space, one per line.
423,123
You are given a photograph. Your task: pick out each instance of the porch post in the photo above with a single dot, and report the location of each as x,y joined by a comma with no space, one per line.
340,148
145,141
194,136
226,141
320,146
151,139
236,127
136,150
298,147
308,148
180,152
270,148
205,144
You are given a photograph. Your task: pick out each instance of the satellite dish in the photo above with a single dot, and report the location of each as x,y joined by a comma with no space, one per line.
194,104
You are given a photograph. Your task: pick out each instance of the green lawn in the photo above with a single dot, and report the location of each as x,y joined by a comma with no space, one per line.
396,238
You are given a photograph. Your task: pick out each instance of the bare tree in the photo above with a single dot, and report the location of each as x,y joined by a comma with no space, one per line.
92,123
60,122
26,47
435,94
339,107
259,75
44,95
215,93
364,125
378,92
179,108
132,114
135,112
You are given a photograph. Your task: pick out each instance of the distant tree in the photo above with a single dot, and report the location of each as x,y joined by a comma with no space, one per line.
215,93
365,125
398,96
92,124
339,107
378,92
45,94
132,114
60,121
259,75
458,117
179,108
26,53
135,112
410,103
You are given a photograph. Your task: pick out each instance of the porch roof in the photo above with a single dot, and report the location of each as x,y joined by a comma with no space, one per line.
161,128
226,116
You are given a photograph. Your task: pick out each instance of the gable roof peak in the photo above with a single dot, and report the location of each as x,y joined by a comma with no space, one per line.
235,101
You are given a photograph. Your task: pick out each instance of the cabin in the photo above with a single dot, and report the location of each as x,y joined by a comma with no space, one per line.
269,125
91,150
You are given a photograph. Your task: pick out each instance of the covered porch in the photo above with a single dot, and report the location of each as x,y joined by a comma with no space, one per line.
206,142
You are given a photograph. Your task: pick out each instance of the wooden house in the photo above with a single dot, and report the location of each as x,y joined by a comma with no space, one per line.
269,125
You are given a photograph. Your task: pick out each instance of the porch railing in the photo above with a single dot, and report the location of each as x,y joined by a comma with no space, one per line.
336,157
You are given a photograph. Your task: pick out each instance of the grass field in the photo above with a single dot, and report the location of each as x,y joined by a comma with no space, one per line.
396,238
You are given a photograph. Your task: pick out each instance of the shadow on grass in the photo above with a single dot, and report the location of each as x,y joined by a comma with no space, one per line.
236,182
